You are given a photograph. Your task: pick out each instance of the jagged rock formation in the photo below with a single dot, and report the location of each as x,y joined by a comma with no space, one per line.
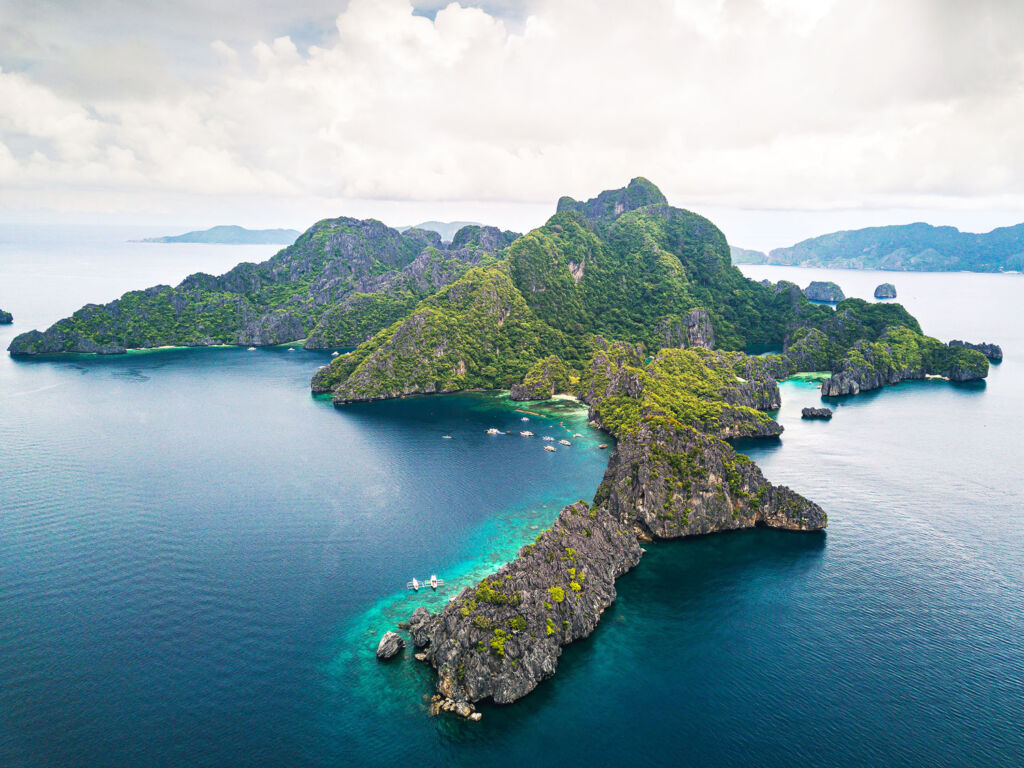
391,644
667,480
546,378
816,413
693,330
499,640
6,318
900,355
338,284
612,203
885,291
992,351
824,291
667,483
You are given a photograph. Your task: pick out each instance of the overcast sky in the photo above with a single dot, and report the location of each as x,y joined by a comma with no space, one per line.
778,118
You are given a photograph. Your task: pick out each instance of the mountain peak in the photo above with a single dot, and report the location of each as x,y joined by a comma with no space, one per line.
614,202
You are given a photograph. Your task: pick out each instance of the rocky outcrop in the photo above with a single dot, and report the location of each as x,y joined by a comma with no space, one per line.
6,318
693,330
816,413
501,639
390,645
824,291
885,291
612,203
900,354
992,351
546,378
666,484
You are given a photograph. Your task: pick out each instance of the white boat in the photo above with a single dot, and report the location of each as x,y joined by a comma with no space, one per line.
550,448
526,433
565,442
525,418
548,438
414,585
493,431
435,582
252,349
446,437
335,354
577,435
291,349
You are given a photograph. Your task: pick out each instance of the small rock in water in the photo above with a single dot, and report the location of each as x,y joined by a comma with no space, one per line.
475,717
816,413
390,646
885,291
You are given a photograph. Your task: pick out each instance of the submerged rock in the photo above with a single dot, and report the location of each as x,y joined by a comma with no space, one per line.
992,351
390,645
885,291
816,413
824,291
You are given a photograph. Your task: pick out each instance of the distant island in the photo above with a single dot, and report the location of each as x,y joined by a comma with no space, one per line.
905,248
230,235
446,229
6,318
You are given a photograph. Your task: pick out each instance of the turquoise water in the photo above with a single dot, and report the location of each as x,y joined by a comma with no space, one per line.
196,559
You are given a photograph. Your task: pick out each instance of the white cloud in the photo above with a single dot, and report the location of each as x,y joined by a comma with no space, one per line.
744,103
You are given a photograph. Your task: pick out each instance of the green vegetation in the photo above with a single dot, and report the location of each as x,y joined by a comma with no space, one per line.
498,643
909,247
339,283
682,387
557,594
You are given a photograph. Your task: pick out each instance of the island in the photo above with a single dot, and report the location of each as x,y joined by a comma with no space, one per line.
747,256
828,292
6,318
342,281
816,413
624,302
230,235
885,291
908,247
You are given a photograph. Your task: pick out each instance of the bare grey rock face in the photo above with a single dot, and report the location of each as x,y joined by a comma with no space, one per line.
816,413
391,644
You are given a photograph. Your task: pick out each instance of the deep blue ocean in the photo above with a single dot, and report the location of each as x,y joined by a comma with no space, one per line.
197,558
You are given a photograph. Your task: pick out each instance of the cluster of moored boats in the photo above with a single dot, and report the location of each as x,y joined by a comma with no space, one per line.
433,582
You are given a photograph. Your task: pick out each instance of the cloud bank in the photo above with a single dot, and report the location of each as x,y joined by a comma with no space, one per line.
790,104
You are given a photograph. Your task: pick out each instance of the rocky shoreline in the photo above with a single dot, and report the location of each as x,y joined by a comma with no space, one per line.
672,476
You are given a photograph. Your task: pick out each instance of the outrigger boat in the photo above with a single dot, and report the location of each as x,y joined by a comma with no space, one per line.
549,448
493,431
565,442
433,582
526,433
